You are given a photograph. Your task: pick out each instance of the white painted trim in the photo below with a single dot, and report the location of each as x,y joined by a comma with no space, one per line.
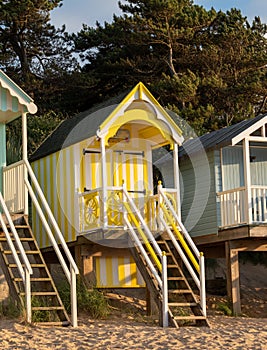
247,179
249,131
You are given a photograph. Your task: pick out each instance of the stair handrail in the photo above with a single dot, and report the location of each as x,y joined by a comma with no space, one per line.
25,275
73,271
162,281
180,224
17,240
200,282
144,225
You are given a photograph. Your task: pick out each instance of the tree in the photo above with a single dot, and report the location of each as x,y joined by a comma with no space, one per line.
210,67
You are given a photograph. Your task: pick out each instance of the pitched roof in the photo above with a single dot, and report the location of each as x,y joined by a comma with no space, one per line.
86,124
217,139
80,127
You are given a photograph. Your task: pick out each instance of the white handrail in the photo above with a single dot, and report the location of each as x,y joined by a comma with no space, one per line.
25,275
200,282
180,224
144,225
181,253
51,218
73,271
17,240
163,281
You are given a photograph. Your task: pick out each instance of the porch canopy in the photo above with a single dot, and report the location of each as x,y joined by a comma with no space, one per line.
13,100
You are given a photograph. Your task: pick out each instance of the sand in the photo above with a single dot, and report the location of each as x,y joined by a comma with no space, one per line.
126,333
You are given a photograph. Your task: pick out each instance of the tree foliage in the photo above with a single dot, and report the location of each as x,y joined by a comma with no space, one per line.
208,66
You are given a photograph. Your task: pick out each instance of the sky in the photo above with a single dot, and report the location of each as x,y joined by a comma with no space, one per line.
74,13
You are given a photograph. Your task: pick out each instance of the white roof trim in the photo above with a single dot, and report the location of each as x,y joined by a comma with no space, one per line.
249,131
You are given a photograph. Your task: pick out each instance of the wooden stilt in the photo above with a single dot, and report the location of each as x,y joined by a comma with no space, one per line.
233,280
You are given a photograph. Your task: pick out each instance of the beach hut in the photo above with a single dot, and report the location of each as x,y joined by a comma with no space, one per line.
224,190
96,171
26,272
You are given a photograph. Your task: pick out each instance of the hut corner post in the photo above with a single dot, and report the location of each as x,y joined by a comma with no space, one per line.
25,157
2,153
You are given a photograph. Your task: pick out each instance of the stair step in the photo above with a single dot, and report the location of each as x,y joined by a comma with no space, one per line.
192,317
179,291
40,293
171,266
8,252
47,308
182,304
32,265
34,279
22,239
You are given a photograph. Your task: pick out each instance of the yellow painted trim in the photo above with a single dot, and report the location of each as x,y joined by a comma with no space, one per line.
117,116
180,237
138,114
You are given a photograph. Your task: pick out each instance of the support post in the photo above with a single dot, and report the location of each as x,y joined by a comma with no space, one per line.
247,179
25,157
2,153
74,318
177,179
28,296
233,281
104,183
202,284
160,213
165,314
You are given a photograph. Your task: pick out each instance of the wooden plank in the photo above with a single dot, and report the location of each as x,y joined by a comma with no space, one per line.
233,280
254,245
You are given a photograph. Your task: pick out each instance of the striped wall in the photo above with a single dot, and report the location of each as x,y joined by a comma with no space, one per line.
55,174
199,210
117,272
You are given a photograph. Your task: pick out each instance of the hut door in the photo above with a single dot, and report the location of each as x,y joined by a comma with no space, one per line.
129,166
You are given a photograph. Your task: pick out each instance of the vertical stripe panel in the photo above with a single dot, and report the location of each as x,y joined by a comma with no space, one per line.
102,270
72,194
109,271
115,271
121,271
127,271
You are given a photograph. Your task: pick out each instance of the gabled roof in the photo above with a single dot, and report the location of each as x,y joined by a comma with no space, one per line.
13,100
97,120
219,138
67,134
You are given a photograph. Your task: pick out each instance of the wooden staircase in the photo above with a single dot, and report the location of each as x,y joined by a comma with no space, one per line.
47,307
183,305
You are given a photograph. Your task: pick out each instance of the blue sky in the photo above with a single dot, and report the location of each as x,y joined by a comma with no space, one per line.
75,12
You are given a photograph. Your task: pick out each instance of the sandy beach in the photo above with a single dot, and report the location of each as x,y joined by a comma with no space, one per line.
126,333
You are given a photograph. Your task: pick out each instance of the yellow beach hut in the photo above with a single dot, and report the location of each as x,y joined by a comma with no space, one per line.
96,171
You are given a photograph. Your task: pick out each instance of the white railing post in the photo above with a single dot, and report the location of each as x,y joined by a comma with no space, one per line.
165,313
202,284
160,213
73,295
104,182
28,302
25,157
247,178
